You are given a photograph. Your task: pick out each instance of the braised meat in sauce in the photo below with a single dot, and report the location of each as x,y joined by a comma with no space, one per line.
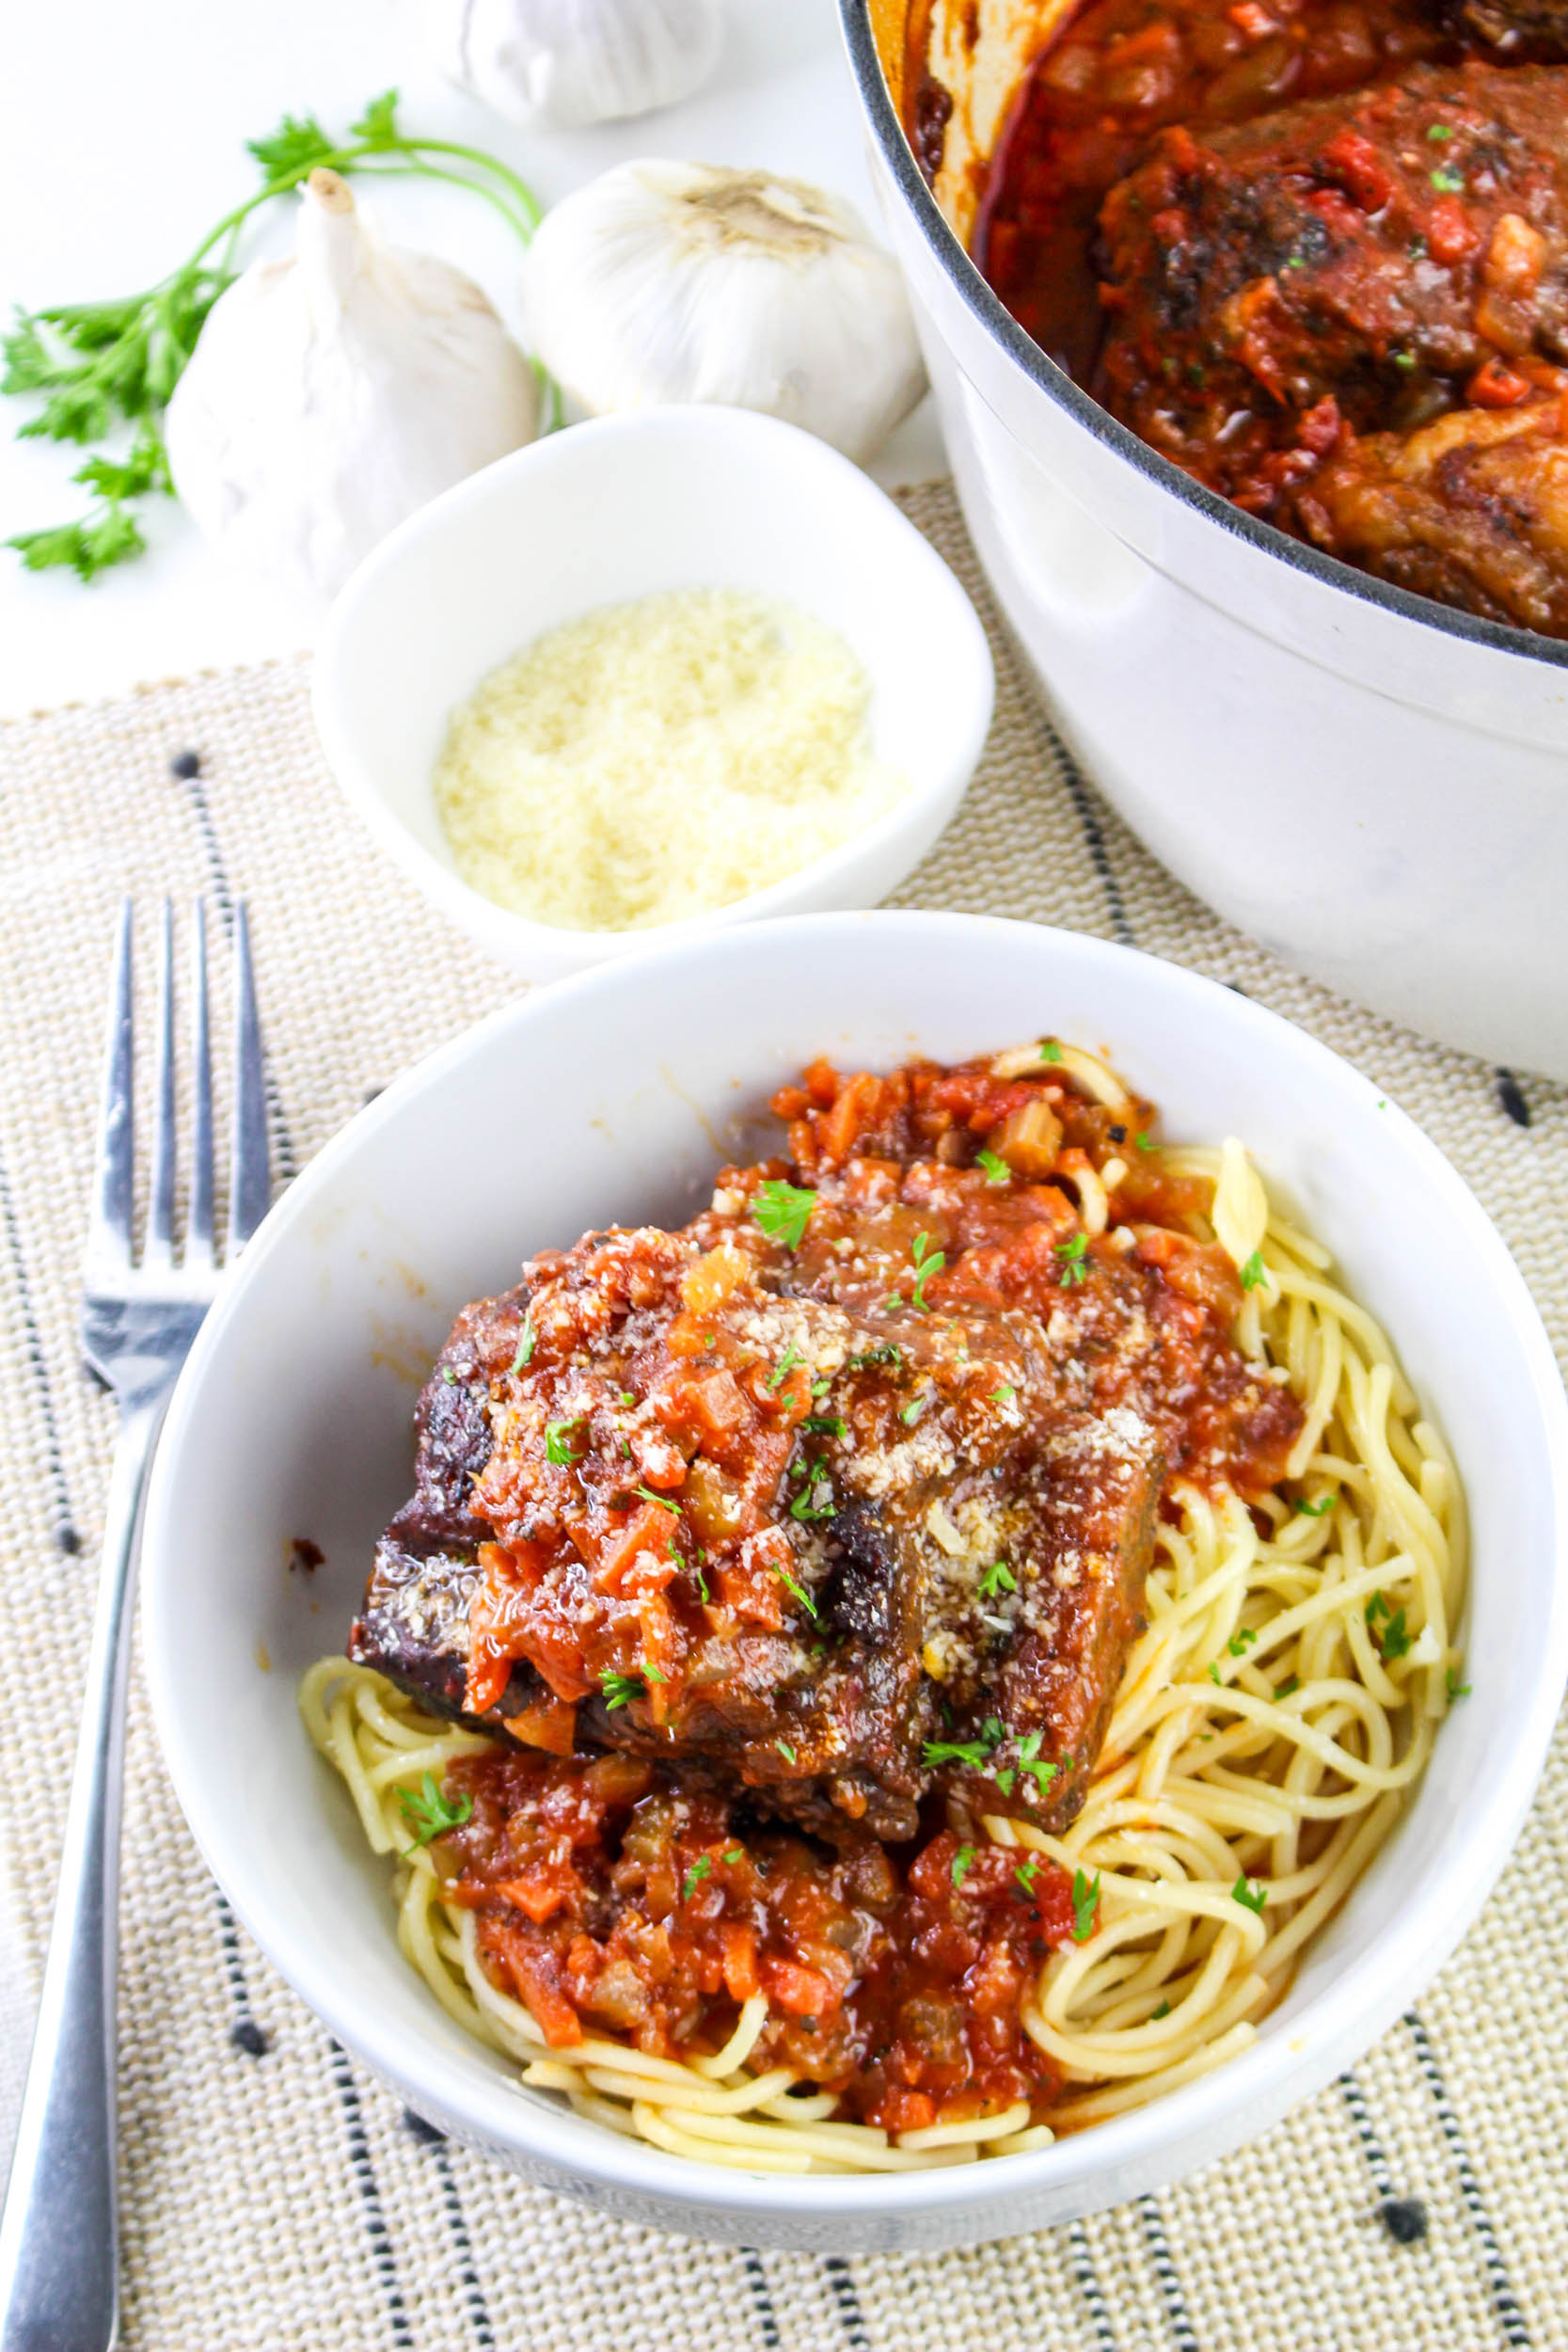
1472,509
612,1896
1342,264
843,1496
1264,232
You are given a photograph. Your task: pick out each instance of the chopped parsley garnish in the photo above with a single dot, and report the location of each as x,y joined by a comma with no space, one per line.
1283,1689
1240,1642
1025,1877
962,1861
427,1812
820,1387
825,1427
1254,1272
783,1211
1251,1893
619,1690
1144,1141
1004,1780
786,1750
802,1596
1393,1639
1453,1687
695,1876
1314,1510
815,1498
1003,1394
1163,2011
912,1410
997,1579
786,1363
926,1262
449,1375
736,1854
626,1396
701,1585
997,1171
1039,1768
1439,130
557,1444
1085,1899
1448,183
1404,358
978,1750
1213,1672
1071,1254
888,1353
524,1343
1049,1050
663,1500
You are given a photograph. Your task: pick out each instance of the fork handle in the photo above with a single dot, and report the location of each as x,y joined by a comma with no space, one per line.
60,2232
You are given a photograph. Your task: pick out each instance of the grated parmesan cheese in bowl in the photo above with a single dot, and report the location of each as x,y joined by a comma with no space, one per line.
657,759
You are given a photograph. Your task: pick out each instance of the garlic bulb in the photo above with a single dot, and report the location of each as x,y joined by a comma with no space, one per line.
332,393
677,281
571,62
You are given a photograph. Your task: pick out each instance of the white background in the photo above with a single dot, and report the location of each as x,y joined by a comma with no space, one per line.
122,132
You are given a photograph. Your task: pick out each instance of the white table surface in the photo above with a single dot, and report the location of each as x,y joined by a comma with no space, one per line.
122,135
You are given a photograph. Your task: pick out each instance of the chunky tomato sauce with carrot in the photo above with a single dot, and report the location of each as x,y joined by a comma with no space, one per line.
611,1900
1315,252
1121,69
829,1515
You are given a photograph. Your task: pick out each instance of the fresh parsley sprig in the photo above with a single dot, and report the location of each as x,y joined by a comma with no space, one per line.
98,365
783,1211
1085,1900
428,1813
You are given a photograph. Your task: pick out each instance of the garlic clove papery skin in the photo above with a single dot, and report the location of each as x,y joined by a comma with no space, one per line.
664,281
332,393
568,63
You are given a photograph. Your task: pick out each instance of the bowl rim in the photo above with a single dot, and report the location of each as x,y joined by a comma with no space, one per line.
469,906
1372,1990
955,261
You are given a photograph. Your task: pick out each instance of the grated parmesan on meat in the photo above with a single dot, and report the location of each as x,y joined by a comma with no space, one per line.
655,759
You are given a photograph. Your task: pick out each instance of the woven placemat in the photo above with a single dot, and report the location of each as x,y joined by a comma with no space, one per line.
274,2197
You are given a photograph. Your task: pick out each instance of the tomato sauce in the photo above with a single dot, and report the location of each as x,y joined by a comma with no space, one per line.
611,1898
1121,69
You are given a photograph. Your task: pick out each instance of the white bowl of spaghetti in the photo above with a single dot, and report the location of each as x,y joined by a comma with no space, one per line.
1322,1744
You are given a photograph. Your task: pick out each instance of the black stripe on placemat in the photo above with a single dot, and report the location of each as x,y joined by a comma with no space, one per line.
246,2034
1094,834
66,1537
1404,2218
467,2269
762,2298
187,768
1165,2270
1510,2317
1081,2258
841,2281
1372,2146
1512,1098
376,2218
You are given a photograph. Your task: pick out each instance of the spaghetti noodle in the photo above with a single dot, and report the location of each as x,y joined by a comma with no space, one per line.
1297,1655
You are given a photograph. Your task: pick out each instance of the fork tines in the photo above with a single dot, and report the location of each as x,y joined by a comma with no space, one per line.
111,1231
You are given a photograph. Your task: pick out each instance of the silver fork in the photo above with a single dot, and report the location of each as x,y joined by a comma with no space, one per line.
60,2232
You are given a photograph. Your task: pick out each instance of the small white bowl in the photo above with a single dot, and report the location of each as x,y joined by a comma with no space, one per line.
293,1420
625,507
